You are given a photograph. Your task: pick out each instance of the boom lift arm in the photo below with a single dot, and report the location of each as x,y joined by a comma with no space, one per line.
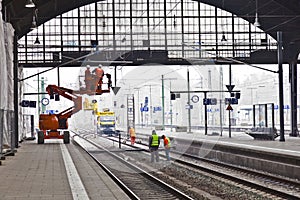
53,122
54,90
50,123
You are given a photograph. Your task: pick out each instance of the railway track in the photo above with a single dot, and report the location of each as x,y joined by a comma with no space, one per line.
266,184
137,183
187,171
277,187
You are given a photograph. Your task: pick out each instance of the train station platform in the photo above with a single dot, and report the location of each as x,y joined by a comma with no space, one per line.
238,139
54,171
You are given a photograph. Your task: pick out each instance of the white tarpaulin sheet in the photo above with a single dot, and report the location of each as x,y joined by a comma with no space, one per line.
3,86
6,83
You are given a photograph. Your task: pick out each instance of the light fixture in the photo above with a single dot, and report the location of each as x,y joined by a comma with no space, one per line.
223,32
174,21
29,4
34,18
256,22
103,23
37,41
223,37
33,24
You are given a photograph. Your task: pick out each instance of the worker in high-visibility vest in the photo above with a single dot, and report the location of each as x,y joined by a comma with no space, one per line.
99,76
132,135
153,146
88,79
167,145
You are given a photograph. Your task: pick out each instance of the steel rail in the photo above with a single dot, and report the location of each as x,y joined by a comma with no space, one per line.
145,174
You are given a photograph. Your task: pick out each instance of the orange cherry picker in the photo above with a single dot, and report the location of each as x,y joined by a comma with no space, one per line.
53,126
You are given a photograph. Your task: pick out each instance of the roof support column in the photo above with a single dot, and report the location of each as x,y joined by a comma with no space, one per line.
291,56
15,135
280,77
293,83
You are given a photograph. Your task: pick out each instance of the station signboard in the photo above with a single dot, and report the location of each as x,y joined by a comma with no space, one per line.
210,101
231,101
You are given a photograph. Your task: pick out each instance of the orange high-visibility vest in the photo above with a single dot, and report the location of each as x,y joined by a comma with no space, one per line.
99,72
132,132
167,143
88,75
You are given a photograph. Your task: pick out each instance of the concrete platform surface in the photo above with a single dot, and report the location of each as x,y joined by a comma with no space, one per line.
43,172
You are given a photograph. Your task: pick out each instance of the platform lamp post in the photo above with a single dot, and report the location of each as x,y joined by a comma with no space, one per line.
138,90
171,110
163,102
189,100
150,107
221,98
229,111
43,93
280,77
41,88
39,99
163,99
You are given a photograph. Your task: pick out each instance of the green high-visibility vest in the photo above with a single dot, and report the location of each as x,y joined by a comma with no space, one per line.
155,139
